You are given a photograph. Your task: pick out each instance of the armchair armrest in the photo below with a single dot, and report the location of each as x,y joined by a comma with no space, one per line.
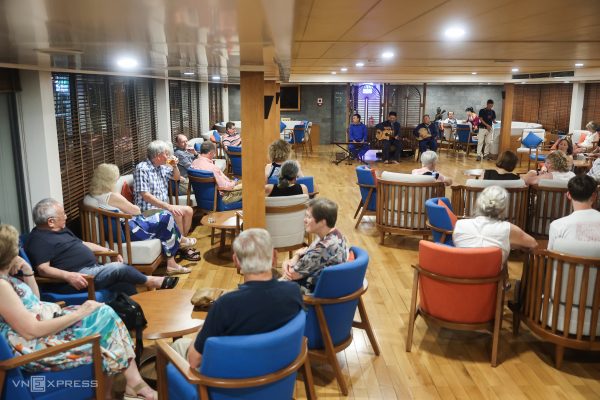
167,354
313,301
91,289
224,189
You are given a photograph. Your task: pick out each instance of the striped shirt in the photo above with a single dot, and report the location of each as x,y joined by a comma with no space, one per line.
151,179
231,140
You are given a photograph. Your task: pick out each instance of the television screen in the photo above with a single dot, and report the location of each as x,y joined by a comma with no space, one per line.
290,98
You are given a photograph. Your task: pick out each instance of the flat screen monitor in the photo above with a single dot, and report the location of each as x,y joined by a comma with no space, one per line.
290,98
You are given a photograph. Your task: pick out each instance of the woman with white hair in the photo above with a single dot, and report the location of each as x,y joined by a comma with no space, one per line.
556,167
488,229
429,164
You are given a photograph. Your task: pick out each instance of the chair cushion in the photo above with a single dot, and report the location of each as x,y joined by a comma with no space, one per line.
582,137
119,184
531,140
399,177
195,143
483,183
286,229
451,214
142,252
126,192
553,183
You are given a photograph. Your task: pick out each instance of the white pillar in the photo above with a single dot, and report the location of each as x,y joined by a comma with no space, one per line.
204,108
39,137
163,110
577,97
225,100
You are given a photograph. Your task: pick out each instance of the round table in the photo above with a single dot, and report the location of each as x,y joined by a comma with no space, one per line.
226,221
475,173
168,312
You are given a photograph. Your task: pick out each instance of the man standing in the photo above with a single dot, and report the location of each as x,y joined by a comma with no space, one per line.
261,304
394,141
55,252
427,133
206,162
186,155
487,118
357,132
584,222
151,180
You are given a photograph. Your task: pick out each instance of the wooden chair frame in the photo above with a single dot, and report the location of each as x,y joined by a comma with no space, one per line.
329,352
493,326
468,144
536,291
94,340
464,197
545,204
229,165
92,218
302,143
166,354
388,196
362,206
445,233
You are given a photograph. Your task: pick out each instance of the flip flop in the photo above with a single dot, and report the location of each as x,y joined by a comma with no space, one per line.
179,270
189,242
135,392
190,254
169,282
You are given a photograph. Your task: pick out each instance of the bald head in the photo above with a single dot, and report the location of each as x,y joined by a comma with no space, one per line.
181,141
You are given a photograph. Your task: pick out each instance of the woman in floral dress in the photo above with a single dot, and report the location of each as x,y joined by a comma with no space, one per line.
29,325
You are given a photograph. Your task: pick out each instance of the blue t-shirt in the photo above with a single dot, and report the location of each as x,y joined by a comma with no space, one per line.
62,249
489,116
256,307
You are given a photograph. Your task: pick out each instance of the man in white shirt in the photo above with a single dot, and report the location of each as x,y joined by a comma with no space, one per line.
583,224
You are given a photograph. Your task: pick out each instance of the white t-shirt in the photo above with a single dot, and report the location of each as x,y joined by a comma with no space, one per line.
483,232
589,140
582,225
562,176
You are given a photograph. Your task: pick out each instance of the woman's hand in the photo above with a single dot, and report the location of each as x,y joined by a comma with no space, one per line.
19,264
89,307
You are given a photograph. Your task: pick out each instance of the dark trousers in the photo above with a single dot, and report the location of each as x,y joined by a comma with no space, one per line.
387,145
427,144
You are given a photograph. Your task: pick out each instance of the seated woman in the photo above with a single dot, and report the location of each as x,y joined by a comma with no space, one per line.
429,164
506,164
29,325
488,229
566,147
330,248
279,152
557,168
287,185
590,140
160,225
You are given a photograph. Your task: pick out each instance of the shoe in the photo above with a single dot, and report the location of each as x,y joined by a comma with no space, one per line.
386,162
179,270
136,392
478,158
169,283
190,254
189,242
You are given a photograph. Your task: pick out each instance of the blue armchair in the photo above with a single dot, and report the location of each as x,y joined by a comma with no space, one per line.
331,309
234,153
297,138
439,221
18,384
216,139
368,193
208,198
261,366
464,137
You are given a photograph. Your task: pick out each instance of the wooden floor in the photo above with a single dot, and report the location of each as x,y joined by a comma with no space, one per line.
443,364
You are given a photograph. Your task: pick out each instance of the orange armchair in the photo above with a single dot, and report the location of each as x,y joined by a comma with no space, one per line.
458,288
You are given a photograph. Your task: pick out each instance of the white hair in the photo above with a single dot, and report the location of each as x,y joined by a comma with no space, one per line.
254,250
429,158
492,202
44,210
157,147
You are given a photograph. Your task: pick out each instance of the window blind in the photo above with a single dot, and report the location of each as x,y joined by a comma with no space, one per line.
184,99
591,104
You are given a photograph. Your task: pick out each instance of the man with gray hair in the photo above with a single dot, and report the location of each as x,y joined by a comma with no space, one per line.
55,252
261,304
429,161
151,180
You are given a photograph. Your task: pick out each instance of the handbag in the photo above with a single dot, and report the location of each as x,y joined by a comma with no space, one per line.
203,298
133,317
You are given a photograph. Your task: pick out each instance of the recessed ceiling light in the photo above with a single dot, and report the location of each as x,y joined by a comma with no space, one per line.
360,64
127,62
579,64
489,83
515,70
522,83
188,73
333,72
216,78
387,54
454,32
473,73
567,82
344,69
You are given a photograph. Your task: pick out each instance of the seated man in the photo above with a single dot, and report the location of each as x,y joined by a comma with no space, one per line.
261,304
594,172
357,133
451,120
185,155
55,252
583,223
206,162
392,147
427,134
151,180
231,137
330,248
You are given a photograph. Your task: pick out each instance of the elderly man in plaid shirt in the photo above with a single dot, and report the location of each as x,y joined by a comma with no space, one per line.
151,179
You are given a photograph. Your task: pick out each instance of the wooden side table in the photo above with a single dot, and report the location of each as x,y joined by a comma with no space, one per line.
226,221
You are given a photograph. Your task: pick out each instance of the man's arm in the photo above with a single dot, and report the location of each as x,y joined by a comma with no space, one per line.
72,278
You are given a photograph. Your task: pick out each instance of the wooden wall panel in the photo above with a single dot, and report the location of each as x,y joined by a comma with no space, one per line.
549,105
591,104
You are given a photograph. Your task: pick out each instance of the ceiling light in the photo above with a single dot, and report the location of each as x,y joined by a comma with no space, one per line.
515,70
333,72
344,69
473,73
489,83
216,78
567,82
387,54
360,64
579,64
127,62
454,32
522,83
188,73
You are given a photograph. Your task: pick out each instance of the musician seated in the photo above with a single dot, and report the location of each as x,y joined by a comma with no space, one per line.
389,134
427,134
357,132
429,163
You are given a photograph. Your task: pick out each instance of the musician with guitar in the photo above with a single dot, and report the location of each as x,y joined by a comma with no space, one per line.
427,134
357,133
389,133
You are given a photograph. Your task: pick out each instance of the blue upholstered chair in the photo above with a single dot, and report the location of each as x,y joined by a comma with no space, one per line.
217,140
282,126
331,309
234,154
439,221
15,383
464,138
308,181
368,193
297,138
261,366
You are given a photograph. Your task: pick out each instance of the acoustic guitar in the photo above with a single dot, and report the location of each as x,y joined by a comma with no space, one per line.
384,134
423,134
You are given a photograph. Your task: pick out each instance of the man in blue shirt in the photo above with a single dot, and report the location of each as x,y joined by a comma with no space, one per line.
357,132
428,133
487,117
185,156
261,304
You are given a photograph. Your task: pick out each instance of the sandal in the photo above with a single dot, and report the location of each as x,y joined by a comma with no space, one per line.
169,283
190,254
135,392
179,270
189,242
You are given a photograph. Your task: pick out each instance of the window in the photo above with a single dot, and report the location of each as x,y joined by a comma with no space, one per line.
184,101
215,100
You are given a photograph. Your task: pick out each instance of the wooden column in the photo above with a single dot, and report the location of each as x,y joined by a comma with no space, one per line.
507,116
271,123
254,145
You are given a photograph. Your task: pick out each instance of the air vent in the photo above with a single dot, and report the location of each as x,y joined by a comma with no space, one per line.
541,75
521,76
562,74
